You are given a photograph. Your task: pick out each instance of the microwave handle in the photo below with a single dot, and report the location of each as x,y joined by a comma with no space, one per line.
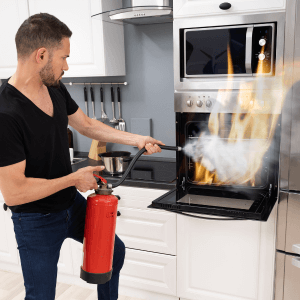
248,55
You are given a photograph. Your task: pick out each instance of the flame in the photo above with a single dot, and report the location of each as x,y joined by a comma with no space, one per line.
247,124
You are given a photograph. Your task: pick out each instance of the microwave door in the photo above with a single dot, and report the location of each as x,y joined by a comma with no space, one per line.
218,51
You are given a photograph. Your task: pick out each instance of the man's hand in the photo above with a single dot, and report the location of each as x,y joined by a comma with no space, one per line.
85,179
150,144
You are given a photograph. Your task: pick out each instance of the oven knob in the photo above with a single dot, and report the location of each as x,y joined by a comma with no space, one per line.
261,56
208,103
262,42
199,103
189,103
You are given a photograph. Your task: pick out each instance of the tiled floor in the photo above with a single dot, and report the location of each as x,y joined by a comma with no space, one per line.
12,288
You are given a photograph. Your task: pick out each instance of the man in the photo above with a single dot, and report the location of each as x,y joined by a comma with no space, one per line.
36,178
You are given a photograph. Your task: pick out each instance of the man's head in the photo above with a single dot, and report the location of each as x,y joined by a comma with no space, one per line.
44,40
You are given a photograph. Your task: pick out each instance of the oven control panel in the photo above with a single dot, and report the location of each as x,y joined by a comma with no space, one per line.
227,102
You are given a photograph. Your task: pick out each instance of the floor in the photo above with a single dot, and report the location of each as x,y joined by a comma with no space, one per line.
12,288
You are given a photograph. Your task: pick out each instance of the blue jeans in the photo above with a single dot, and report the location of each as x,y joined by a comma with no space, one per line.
40,237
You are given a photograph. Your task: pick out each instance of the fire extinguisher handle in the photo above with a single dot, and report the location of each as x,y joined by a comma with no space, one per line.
102,179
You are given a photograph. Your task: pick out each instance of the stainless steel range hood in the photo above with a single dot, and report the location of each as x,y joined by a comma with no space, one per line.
142,12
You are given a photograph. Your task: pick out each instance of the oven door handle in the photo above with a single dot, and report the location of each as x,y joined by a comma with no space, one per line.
248,52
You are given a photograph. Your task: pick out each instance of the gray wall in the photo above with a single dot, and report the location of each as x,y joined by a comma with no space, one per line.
150,89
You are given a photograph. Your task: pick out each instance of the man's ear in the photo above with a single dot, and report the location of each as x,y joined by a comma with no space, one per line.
40,55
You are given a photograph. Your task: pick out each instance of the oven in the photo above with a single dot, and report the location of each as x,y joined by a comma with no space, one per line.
228,102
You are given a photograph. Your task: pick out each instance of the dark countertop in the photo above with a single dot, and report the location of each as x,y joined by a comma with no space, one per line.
149,172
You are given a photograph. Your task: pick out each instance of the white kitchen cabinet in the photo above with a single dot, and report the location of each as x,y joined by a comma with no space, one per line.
8,245
190,8
149,271
218,260
142,228
97,47
65,262
12,15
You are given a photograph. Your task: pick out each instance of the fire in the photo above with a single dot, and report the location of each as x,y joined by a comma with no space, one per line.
250,133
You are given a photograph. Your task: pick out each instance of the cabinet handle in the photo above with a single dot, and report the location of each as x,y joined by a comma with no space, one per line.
118,214
296,262
296,248
5,206
225,5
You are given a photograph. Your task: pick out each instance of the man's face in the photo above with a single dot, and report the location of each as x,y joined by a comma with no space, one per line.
53,71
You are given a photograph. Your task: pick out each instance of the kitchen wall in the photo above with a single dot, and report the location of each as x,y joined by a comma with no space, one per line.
149,93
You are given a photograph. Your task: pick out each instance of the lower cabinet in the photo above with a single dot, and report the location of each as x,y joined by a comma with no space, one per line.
149,271
8,245
232,260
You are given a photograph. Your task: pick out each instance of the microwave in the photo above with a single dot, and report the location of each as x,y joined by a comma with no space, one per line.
235,50
209,48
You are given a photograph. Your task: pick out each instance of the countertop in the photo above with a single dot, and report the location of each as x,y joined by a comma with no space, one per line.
151,172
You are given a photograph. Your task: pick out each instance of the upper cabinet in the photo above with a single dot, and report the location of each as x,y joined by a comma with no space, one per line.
190,8
12,15
97,46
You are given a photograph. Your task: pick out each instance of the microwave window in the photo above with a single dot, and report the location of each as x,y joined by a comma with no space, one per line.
214,51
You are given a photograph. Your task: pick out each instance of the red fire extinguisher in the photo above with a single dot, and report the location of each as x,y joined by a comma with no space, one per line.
99,234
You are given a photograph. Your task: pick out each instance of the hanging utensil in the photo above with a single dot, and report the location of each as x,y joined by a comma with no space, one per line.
114,120
103,114
86,101
93,102
121,121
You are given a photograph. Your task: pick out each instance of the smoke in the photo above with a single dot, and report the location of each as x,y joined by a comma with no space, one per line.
230,161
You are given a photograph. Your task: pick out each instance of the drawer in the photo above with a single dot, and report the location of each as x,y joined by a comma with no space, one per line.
137,197
149,271
188,8
147,230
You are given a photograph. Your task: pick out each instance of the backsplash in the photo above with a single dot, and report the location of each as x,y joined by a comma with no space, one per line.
149,93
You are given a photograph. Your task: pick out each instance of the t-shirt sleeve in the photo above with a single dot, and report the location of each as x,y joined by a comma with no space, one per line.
71,104
11,141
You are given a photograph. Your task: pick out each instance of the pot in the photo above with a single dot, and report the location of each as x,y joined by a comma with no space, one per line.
115,162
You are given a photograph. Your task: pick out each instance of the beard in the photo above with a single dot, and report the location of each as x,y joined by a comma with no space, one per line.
48,77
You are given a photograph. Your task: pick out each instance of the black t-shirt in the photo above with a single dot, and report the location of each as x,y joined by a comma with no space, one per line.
26,132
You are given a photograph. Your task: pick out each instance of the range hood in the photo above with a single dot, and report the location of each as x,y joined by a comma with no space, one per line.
142,12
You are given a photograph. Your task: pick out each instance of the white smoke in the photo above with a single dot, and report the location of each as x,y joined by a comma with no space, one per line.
228,160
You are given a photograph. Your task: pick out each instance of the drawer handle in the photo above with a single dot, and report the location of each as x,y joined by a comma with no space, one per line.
225,5
296,262
296,248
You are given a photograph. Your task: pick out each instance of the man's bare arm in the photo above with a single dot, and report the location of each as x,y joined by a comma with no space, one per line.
18,189
99,131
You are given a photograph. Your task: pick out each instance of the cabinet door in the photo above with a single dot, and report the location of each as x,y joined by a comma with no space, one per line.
12,15
220,260
65,263
8,245
187,8
149,271
97,47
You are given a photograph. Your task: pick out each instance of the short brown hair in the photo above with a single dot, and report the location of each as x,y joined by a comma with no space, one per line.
40,30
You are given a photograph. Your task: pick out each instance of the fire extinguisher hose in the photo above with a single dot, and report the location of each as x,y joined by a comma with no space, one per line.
136,157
